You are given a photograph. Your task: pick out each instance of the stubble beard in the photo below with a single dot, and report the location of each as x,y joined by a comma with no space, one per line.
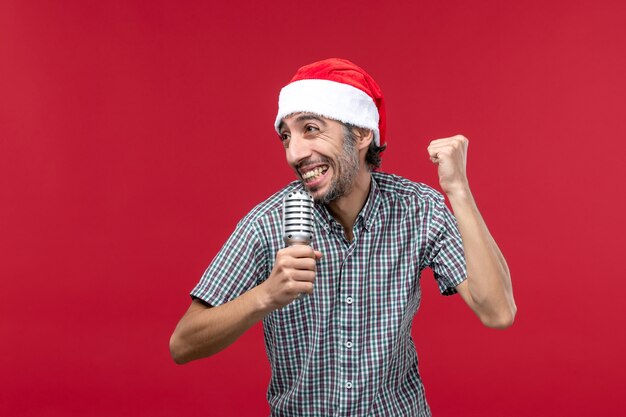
345,170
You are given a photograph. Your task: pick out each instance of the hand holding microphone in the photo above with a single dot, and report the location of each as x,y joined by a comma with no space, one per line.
294,269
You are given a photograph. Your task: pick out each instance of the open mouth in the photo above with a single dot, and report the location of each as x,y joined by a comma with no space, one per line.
314,174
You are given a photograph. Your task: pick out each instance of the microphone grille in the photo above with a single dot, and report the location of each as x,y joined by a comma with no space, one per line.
298,218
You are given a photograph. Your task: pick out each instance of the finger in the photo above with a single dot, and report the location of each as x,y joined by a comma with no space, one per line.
306,288
304,276
457,145
448,140
436,155
296,288
433,151
441,142
299,251
318,255
435,148
443,152
304,264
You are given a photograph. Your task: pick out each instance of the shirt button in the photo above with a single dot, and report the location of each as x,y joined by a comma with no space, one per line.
348,344
349,300
348,385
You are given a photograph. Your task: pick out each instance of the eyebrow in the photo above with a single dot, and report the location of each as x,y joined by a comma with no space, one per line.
303,118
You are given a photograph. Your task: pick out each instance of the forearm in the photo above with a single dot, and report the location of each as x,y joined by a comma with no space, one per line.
488,278
204,331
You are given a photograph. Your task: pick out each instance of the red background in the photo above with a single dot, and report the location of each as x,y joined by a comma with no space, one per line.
135,134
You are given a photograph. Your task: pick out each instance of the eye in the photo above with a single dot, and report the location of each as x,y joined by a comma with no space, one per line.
284,138
310,128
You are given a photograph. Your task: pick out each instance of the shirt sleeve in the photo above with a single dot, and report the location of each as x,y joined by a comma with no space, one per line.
238,267
446,256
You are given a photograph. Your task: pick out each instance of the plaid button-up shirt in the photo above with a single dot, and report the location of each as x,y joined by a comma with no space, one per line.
346,350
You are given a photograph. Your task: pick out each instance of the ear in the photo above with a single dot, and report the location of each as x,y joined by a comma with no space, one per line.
363,137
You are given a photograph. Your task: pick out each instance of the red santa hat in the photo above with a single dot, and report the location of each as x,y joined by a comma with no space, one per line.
339,90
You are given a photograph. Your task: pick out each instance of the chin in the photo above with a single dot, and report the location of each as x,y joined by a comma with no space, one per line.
317,195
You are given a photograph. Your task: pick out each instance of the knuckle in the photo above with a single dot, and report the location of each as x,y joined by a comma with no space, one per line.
291,288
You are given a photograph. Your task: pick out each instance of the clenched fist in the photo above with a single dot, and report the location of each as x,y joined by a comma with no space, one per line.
450,155
293,274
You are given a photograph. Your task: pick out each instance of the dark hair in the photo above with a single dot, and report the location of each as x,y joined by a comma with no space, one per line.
373,156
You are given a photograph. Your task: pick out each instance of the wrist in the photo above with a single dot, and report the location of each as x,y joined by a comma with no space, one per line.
264,304
459,191
462,202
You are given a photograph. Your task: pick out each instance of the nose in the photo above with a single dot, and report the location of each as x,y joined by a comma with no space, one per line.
298,149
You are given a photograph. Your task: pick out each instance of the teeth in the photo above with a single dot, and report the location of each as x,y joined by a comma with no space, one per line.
312,174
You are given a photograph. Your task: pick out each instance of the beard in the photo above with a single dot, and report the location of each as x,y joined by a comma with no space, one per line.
345,170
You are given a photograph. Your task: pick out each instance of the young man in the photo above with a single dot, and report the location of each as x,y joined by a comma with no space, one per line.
345,348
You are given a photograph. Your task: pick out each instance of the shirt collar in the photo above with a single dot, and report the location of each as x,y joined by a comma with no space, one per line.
367,216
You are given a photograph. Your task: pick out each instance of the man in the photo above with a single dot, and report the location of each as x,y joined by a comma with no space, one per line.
337,315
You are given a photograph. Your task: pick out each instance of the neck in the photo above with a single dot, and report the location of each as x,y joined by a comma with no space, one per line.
346,208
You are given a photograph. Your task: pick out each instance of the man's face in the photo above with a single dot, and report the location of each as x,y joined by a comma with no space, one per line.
323,158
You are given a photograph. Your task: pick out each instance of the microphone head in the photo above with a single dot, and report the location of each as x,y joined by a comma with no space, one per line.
298,218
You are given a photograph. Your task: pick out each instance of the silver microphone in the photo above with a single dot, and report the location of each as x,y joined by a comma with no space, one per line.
298,218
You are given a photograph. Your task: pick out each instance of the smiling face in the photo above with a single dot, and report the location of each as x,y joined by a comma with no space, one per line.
323,156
